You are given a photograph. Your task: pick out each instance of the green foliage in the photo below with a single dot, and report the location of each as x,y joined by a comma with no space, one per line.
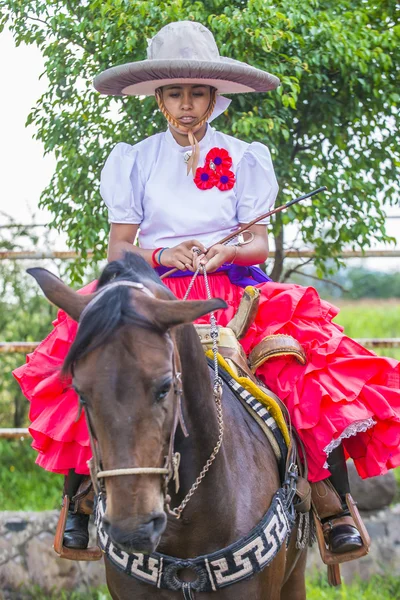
332,122
36,593
25,315
23,484
349,283
372,284
397,476
377,588
371,319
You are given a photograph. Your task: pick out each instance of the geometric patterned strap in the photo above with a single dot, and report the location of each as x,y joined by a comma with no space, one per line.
261,413
259,394
237,562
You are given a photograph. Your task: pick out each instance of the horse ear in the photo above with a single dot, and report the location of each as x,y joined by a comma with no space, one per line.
176,312
60,294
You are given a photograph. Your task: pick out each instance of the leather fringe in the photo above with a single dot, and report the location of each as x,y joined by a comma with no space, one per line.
188,594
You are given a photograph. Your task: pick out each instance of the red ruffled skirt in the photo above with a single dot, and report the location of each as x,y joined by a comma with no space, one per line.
344,393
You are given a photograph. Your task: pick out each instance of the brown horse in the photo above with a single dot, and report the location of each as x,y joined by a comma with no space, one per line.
129,346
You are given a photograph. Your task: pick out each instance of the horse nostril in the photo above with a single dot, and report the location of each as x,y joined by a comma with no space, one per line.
142,537
159,523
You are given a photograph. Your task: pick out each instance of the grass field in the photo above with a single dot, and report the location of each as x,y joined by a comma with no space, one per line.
371,319
377,588
24,485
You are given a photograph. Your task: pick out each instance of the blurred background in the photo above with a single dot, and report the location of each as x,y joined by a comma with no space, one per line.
333,123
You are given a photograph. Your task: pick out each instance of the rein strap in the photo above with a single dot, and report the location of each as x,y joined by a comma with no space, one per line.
170,470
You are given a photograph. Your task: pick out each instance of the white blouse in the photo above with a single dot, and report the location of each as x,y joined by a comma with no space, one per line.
146,184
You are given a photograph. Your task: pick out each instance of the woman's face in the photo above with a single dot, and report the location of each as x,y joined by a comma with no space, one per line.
186,102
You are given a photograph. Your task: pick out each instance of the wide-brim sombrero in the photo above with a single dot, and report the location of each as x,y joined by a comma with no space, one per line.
183,52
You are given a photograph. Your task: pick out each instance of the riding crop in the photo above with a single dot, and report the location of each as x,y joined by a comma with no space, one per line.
229,237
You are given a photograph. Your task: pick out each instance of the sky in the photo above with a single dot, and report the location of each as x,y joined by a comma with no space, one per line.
25,172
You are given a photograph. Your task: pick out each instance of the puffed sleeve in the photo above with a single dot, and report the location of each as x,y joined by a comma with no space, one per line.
256,186
121,185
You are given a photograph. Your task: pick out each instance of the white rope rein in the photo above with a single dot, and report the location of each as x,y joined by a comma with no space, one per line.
133,471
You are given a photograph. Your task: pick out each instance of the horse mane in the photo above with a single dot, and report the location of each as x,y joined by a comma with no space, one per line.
114,309
132,267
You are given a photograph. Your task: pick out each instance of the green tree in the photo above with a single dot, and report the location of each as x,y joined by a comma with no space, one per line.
25,315
352,283
332,122
363,283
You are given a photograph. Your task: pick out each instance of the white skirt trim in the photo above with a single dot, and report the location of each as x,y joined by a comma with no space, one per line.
353,429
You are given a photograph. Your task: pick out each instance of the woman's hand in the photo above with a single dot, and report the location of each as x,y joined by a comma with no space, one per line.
251,252
216,256
183,256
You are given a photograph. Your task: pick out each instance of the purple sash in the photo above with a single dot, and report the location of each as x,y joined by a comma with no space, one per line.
238,275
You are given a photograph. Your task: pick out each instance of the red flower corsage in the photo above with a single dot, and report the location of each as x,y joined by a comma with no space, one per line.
216,171
225,180
218,158
204,178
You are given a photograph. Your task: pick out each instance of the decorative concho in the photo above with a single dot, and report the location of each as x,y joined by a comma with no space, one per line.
186,156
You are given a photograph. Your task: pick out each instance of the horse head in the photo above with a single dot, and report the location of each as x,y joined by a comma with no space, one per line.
125,369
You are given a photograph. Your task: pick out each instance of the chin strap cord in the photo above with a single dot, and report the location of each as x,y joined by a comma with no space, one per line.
194,158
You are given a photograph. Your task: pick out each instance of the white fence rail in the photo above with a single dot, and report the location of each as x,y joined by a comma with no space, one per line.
69,254
26,347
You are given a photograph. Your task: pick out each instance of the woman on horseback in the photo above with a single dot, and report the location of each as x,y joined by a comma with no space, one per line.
181,191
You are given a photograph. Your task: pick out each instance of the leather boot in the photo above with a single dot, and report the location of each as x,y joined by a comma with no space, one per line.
340,529
76,533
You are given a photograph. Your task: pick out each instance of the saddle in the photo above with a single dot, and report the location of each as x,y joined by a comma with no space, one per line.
321,498
232,351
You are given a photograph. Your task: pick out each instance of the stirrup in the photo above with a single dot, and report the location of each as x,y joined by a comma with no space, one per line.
332,559
92,553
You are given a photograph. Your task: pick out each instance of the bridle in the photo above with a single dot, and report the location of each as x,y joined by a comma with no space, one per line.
95,464
265,539
170,470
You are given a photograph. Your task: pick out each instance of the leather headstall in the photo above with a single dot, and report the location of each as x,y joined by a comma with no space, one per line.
170,469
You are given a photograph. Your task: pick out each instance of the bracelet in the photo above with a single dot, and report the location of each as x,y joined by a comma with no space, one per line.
153,257
159,256
241,241
234,256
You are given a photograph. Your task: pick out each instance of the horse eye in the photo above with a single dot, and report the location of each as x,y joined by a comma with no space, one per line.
163,391
82,399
